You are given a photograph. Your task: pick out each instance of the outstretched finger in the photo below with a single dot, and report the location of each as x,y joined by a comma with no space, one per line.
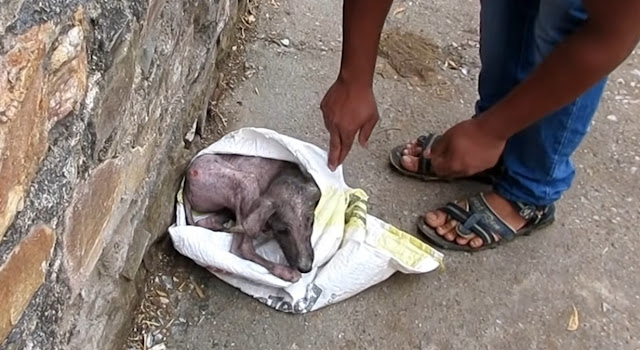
334,149
346,141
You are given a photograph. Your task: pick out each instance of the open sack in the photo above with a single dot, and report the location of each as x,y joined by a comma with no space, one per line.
353,250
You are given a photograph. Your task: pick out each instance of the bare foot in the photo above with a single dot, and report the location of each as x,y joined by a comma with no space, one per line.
446,226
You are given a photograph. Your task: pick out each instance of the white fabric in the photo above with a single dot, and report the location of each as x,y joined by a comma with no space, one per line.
353,250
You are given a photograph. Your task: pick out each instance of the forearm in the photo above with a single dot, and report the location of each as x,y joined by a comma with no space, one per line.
570,70
363,21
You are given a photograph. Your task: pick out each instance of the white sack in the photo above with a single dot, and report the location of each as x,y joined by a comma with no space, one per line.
353,250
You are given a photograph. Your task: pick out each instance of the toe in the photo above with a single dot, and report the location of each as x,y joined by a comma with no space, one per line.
408,148
475,242
435,218
464,240
450,236
409,163
447,227
411,149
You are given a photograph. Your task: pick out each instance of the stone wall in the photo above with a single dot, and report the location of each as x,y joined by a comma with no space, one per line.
95,99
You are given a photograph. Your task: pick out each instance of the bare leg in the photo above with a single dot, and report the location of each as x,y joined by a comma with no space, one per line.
235,244
248,252
255,222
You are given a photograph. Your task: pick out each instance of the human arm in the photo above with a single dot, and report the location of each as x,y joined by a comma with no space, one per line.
592,52
603,42
349,106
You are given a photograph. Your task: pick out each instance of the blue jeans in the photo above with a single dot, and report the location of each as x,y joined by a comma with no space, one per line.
515,36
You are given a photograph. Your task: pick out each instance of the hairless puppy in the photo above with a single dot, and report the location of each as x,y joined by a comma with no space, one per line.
266,197
226,186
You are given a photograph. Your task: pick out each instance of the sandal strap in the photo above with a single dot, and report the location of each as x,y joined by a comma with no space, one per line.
531,213
425,142
424,164
480,219
469,222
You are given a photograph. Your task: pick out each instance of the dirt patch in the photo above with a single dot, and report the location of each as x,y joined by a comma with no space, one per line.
406,56
411,56
169,283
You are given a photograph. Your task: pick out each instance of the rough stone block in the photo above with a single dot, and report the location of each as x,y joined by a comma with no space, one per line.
114,101
8,13
67,81
37,90
22,118
135,253
93,203
93,109
22,274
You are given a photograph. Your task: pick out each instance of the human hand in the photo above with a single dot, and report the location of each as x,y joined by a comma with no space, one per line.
347,109
466,149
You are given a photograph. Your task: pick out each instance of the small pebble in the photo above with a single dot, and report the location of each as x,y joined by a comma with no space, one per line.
158,338
285,42
168,282
149,340
633,170
612,117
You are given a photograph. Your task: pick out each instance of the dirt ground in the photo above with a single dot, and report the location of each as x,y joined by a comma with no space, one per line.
520,296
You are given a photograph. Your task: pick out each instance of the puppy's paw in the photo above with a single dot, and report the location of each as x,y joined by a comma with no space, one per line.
286,273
